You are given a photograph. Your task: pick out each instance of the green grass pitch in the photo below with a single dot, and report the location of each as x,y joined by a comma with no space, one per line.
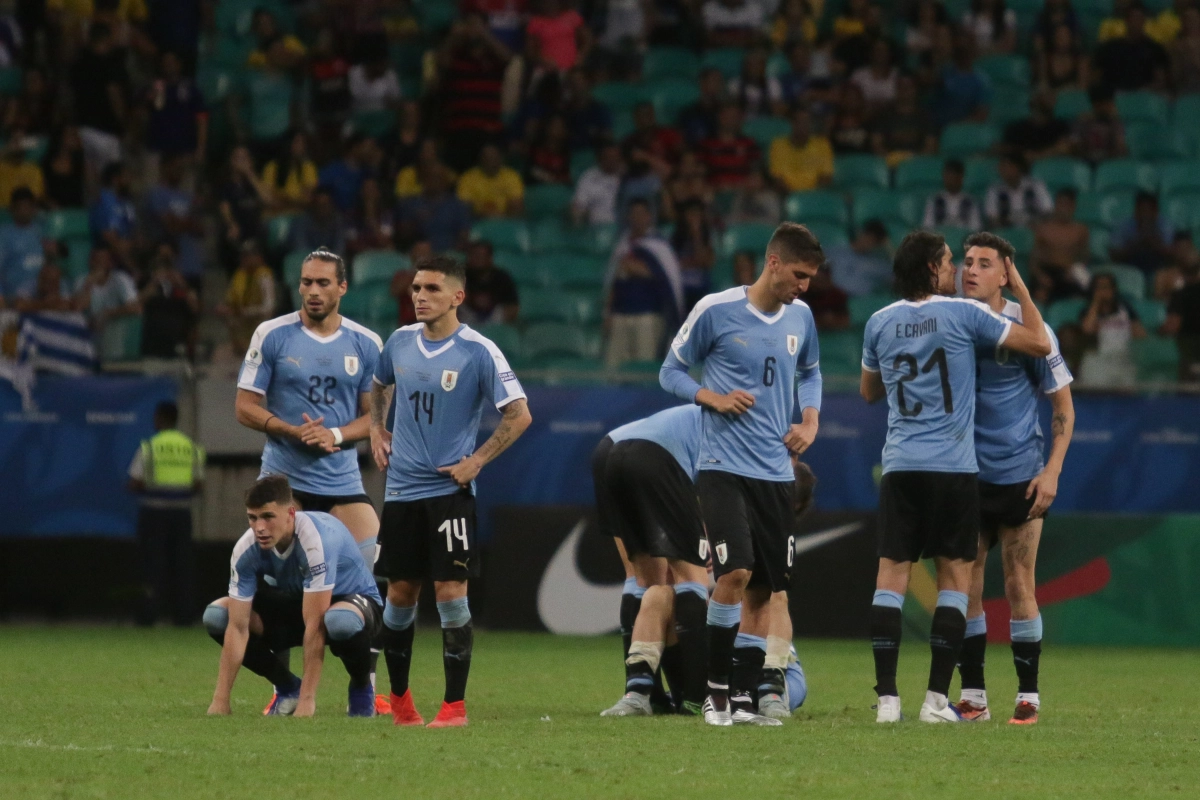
99,712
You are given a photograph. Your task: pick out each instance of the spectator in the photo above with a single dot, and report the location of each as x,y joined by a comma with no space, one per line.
471,66
755,201
854,31
344,176
372,226
170,308
1167,26
1062,64
22,250
401,286
1100,134
12,39
1184,256
329,86
624,27
588,119
172,215
177,121
491,291
961,92
63,169
1113,27
643,292
801,83
952,207
565,39
595,198
374,85
830,305
1054,14
322,226
730,155
176,26
1183,321
652,142
242,198
50,292
698,121
16,172
794,22
1185,53
1041,134
1145,240
850,132
692,242
270,98
250,298
863,266
265,29
690,182
878,79
925,17
642,180
435,214
732,23
756,92
549,159
1133,61
905,130
410,136
291,176
106,293
408,180
34,109
993,26
801,161
745,270
1108,324
492,189
1018,199
1060,251
113,219
505,19
100,88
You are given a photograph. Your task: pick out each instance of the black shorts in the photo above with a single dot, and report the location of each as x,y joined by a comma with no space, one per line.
646,499
429,538
1002,505
282,615
751,525
928,515
325,502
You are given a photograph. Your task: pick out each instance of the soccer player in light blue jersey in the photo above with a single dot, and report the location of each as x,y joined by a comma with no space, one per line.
316,589
919,353
1016,486
761,397
442,374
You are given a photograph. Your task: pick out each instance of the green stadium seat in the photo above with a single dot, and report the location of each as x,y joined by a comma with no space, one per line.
829,234
1106,210
436,15
554,339
1064,312
1126,174
10,81
751,236
1182,209
1180,177
897,231
1143,107
841,352
547,200
377,266
121,340
855,171
1072,104
506,337
558,305
920,173
726,59
622,124
66,223
670,62
620,96
1151,142
1098,238
980,174
1020,238
279,229
1005,70
1187,111
671,96
887,205
765,130
596,239
579,271
1061,173
863,306
509,234
356,303
1009,104
581,161
821,204
79,253
1157,359
551,236
525,268
292,262
377,124
954,238
965,139
1151,312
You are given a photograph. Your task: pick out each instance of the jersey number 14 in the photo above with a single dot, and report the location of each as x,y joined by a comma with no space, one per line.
455,529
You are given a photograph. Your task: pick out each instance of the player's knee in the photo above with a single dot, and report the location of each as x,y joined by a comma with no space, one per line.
454,613
342,623
216,620
736,578
659,598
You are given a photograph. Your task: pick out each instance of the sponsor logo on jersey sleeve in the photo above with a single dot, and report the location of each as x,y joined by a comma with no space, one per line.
682,337
254,357
505,377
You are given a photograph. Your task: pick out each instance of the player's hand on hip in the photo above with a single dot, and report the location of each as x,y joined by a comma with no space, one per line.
219,708
800,437
1045,485
464,471
381,447
314,434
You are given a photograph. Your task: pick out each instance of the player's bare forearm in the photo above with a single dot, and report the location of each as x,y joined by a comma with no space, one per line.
314,660
514,421
800,437
380,399
870,386
249,411
1033,339
232,652
1062,427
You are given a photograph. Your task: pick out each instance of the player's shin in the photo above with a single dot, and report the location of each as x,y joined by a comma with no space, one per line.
749,652
641,666
886,627
723,620
631,604
1027,650
945,644
458,638
348,640
772,678
397,640
691,605
971,661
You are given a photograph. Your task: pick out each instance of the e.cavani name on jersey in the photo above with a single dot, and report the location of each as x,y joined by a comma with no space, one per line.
908,330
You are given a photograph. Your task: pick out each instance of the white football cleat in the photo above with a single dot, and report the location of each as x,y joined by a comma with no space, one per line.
631,705
741,717
717,716
888,709
946,714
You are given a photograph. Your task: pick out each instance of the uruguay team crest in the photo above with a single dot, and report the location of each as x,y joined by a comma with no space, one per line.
793,343
449,379
351,365
722,551
704,549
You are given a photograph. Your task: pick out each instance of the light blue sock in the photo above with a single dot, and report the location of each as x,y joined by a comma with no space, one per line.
693,587
342,623
1026,630
951,599
454,613
398,618
631,587
367,548
887,599
750,640
216,620
724,616
977,626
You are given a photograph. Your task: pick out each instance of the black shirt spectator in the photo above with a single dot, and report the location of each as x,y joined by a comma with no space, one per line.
491,292
169,309
99,83
63,169
1041,134
1133,61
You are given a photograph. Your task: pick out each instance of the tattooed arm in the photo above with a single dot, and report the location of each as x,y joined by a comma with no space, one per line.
515,418
381,443
1062,425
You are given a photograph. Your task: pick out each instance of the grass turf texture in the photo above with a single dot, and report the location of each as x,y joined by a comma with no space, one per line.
94,712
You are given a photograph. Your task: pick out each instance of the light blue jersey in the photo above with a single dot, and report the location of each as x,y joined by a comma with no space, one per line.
773,357
676,430
440,391
1008,436
323,556
925,352
302,373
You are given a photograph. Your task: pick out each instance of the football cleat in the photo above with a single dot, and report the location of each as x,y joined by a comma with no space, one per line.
888,709
270,704
971,712
773,706
1025,714
716,711
283,705
631,705
947,714
743,717
451,715
362,703
383,706
403,711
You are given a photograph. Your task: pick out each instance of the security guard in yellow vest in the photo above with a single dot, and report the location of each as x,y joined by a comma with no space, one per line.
166,472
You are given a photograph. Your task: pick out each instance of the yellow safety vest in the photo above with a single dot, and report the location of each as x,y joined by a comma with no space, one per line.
169,461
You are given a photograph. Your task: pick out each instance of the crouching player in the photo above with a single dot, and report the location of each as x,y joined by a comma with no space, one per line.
302,557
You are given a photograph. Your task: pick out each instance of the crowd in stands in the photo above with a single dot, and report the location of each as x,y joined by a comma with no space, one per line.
599,165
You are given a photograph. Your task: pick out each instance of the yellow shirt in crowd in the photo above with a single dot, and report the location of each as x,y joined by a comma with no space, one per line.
801,168
299,183
489,196
14,176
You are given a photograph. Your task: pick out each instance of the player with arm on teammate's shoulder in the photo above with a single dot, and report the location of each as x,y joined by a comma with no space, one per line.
305,383
314,588
919,353
761,396
1016,487
442,374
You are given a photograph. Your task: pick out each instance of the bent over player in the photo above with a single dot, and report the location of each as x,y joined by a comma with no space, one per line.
920,353
1016,487
759,348
441,373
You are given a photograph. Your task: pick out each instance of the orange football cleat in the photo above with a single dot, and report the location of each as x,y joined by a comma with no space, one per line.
383,706
1025,714
403,711
270,704
452,715
971,712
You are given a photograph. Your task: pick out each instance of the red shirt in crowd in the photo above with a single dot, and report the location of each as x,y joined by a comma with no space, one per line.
729,161
557,35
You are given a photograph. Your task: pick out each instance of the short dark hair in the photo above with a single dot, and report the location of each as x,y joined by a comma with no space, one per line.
955,165
793,242
876,228
1016,159
321,254
910,267
450,267
1101,93
1068,191
167,412
987,239
1144,196
271,489
484,243
110,172
21,193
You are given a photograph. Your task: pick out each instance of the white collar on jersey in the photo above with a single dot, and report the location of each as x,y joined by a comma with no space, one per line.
322,339
770,320
284,555
431,353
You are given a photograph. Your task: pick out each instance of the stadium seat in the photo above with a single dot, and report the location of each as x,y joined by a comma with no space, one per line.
855,171
954,238
1072,104
749,236
547,200
1126,174
863,306
1143,107
820,204
1061,173
10,81
920,173
377,266
79,253
596,239
216,82
560,306
278,230
510,234
622,124
841,352
671,96
506,337
292,262
980,174
525,268
887,205
726,59
1064,312
578,271
1157,358
551,236
1179,177
378,124
436,15
1151,312
66,223
829,234
1020,238
965,139
1182,209
897,231
581,161
1098,238
1148,141
1106,210
1005,70
554,339
765,130
670,62
619,96
1131,281
1187,111
1009,104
